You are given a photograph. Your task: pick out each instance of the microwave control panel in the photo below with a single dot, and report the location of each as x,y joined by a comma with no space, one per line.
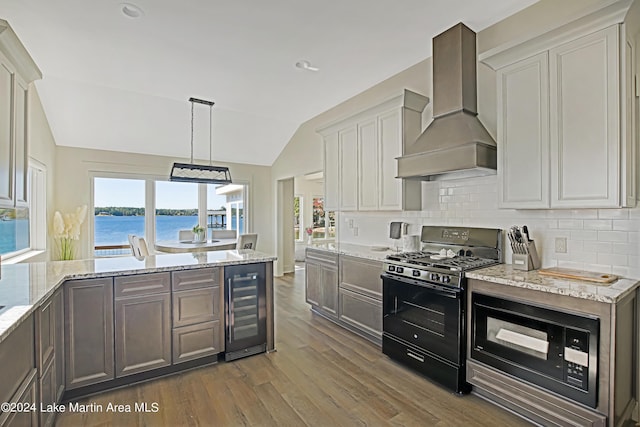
576,358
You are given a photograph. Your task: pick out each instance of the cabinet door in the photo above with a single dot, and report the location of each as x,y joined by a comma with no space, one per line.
348,169
585,121
88,332
6,145
196,306
46,332
362,313
391,191
313,283
29,399
20,142
523,133
142,333
330,290
368,165
58,304
331,174
48,392
196,341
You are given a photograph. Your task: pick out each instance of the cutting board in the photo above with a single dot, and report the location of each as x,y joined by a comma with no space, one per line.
589,276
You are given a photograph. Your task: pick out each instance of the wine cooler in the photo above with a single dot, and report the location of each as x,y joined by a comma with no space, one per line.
245,310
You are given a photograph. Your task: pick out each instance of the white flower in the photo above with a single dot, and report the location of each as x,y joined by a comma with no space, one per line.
58,225
67,225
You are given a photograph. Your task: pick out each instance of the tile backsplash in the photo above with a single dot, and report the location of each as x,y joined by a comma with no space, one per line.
603,240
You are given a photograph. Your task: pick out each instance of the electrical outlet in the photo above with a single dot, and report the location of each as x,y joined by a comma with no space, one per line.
350,223
355,231
561,245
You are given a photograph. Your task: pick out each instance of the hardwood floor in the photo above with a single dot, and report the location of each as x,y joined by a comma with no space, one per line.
320,375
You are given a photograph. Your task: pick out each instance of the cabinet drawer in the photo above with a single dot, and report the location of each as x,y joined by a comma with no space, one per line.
142,284
27,396
361,312
193,342
48,392
193,279
321,256
196,306
362,276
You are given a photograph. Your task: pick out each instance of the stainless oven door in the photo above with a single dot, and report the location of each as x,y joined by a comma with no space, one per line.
423,315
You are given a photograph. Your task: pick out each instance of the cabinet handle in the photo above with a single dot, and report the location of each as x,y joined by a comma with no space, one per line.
415,356
229,314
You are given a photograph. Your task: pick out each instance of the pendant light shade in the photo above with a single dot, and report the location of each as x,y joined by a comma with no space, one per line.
204,174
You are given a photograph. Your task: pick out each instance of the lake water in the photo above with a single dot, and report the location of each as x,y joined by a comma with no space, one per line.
110,230
113,230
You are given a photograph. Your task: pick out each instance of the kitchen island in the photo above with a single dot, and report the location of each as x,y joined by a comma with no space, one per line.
72,328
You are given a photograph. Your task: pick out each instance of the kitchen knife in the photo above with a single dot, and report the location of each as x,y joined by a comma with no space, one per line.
525,230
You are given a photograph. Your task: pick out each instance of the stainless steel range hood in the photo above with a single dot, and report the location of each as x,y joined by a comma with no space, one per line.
455,144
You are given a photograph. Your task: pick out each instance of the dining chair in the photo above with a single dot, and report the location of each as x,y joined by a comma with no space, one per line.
143,249
247,241
223,234
132,243
185,235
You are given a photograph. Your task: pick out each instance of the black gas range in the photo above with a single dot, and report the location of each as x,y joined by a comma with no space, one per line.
424,300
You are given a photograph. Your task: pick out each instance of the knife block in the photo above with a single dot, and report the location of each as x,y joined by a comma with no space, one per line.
529,261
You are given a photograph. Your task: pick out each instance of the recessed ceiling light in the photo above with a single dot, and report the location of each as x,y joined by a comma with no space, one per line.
130,10
306,65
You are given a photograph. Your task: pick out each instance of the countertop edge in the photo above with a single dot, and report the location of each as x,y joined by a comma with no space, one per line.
505,275
15,315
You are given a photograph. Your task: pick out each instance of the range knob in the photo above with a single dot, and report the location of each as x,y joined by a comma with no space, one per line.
446,279
435,276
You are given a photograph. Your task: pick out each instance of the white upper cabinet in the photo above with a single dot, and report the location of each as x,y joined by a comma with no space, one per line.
360,152
17,70
523,135
566,116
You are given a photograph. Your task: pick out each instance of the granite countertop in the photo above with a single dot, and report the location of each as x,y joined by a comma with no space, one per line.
505,274
360,251
23,287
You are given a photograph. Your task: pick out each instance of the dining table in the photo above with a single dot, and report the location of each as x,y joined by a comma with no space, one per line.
183,246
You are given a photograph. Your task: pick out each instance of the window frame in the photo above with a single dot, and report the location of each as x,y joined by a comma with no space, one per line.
150,203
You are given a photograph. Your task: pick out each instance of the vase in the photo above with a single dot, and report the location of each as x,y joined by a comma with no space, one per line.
199,236
309,239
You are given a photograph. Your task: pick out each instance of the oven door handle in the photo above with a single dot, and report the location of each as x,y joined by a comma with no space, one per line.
441,290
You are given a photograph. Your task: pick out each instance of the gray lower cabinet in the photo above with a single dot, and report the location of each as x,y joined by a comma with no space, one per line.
142,323
197,303
18,374
321,281
360,296
49,343
196,341
88,332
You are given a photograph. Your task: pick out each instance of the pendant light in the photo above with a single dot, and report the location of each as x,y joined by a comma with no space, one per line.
205,174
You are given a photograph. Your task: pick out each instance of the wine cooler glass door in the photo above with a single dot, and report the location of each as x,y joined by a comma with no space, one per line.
245,287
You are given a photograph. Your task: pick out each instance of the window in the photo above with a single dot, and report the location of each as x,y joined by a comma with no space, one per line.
119,209
158,210
324,223
297,217
24,228
225,207
176,208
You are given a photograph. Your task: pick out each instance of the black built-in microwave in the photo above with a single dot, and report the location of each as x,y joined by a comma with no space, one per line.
555,350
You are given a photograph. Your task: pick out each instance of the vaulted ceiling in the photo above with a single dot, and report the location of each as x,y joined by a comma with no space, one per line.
116,83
